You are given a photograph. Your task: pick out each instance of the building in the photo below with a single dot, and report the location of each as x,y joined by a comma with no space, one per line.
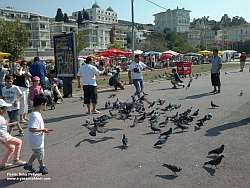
57,28
177,20
119,33
97,14
96,36
39,26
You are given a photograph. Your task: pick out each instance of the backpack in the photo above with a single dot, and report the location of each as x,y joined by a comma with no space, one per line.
111,80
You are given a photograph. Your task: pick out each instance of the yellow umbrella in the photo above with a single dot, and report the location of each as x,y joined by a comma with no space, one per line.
4,55
205,52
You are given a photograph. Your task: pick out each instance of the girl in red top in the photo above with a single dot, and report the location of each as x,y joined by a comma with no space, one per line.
35,89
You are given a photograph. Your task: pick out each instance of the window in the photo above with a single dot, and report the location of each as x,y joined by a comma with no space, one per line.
42,26
43,43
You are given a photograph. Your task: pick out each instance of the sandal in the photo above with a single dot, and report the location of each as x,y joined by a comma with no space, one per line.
96,112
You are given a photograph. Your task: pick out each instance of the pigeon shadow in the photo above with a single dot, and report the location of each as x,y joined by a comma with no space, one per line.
91,141
211,171
196,96
150,133
179,132
167,177
115,129
218,130
164,89
157,147
212,156
56,119
121,147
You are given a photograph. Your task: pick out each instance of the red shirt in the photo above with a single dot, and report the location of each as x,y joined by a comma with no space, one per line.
243,57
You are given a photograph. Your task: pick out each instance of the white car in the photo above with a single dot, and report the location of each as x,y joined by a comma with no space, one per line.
237,55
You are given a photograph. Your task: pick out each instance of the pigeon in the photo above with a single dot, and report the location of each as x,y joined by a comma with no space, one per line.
93,131
150,113
161,141
205,118
151,104
214,105
87,122
196,113
111,114
173,168
107,105
217,151
167,133
112,95
142,118
214,162
134,122
124,141
200,123
241,92
189,83
179,126
161,102
154,127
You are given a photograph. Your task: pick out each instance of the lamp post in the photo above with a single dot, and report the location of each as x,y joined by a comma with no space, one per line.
133,27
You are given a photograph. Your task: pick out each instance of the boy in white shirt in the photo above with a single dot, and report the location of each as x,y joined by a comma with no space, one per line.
36,134
12,94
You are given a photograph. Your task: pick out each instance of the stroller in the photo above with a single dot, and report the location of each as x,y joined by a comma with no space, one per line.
49,94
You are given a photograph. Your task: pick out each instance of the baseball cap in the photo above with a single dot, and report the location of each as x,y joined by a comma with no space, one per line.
4,104
36,78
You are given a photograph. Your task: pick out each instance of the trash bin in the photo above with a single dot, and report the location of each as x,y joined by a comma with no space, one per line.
184,67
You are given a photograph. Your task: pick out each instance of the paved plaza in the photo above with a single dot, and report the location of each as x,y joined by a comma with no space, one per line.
77,160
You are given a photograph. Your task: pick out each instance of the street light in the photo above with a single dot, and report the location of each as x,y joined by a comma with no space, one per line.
133,25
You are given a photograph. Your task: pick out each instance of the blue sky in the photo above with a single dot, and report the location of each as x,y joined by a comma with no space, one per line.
143,9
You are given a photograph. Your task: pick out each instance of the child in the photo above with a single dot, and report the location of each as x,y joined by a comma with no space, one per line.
36,134
12,94
35,89
176,80
116,80
12,144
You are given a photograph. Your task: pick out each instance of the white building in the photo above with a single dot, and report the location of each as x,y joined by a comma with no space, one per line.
239,33
97,14
177,20
39,27
96,36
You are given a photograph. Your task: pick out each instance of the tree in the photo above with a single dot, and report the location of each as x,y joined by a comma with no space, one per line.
225,21
59,15
79,17
236,20
80,41
13,38
85,15
154,41
116,44
65,17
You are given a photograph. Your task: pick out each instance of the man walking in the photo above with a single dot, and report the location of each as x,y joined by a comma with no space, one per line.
87,73
135,75
215,71
243,58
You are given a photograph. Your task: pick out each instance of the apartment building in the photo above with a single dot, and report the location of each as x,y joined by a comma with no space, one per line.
119,33
177,20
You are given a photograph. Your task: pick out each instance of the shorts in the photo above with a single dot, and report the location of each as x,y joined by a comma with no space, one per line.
215,79
39,153
13,115
90,94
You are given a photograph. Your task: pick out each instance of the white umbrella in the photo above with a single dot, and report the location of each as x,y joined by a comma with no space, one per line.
171,52
138,52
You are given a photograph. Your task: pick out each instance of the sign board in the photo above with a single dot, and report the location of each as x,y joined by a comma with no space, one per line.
65,55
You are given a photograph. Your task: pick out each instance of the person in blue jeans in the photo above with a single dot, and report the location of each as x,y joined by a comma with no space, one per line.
135,75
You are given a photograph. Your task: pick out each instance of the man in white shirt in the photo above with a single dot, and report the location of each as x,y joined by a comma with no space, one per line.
135,74
88,73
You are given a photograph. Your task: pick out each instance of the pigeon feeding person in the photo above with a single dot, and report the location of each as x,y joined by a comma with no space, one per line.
176,80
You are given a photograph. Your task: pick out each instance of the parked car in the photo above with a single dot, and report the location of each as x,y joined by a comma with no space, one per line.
237,55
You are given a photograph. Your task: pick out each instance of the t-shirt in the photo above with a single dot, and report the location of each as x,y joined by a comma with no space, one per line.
38,69
34,91
10,96
88,74
243,57
4,135
36,139
216,62
137,66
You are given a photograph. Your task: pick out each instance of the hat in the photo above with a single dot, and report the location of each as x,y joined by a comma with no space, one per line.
4,104
36,78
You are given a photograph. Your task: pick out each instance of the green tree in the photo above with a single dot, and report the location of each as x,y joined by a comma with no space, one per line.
59,15
13,38
154,41
65,17
80,41
79,17
116,44
85,15
236,20
225,21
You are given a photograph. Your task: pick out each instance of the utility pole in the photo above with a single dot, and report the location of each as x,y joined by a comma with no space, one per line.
133,27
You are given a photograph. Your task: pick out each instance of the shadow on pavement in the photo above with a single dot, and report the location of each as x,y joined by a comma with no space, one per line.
211,171
217,130
94,141
56,119
167,177
197,96
121,147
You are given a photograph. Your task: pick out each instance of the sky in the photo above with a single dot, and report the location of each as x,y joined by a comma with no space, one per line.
143,9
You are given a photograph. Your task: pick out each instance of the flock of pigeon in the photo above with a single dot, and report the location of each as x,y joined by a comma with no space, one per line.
158,119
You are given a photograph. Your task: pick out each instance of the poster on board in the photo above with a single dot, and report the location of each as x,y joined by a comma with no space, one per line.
65,55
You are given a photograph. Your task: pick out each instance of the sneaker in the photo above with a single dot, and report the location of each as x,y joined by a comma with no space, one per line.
214,91
21,133
18,162
29,167
43,170
145,93
6,165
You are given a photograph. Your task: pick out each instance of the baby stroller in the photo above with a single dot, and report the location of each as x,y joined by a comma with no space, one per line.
49,94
